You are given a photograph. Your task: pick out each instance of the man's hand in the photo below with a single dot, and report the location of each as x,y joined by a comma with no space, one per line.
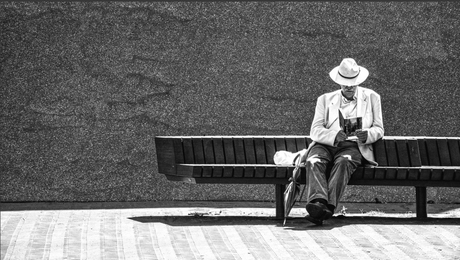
302,159
362,136
340,137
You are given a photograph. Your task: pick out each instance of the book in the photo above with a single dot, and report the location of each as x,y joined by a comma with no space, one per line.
350,125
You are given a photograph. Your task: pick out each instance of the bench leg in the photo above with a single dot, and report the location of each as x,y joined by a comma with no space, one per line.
420,202
279,196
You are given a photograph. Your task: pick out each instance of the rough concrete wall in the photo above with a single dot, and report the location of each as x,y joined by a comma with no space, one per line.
86,86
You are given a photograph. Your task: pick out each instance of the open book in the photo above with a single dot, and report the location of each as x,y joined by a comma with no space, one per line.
350,125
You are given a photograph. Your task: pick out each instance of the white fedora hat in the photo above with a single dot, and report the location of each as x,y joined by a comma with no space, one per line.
349,73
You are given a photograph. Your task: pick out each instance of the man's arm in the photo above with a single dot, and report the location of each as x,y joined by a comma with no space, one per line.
318,131
376,131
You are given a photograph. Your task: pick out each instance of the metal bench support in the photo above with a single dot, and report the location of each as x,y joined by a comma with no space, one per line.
420,200
279,193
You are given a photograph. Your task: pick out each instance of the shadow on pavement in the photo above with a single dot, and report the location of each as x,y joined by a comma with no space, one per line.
292,223
339,221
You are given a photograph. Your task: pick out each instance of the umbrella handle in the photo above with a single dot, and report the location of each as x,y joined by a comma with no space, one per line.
295,159
299,156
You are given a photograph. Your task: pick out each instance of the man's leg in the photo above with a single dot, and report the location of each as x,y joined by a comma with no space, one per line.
346,160
316,183
315,165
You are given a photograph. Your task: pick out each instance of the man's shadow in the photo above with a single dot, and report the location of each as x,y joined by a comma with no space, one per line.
340,221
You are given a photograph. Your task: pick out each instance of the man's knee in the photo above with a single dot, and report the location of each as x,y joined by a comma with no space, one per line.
315,161
344,160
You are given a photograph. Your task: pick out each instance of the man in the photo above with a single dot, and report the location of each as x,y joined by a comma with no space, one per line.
333,156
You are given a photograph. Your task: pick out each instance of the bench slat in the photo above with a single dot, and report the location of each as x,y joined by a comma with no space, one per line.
198,150
290,144
392,152
207,172
379,173
380,152
436,174
401,174
448,175
402,153
229,150
188,150
432,152
423,152
270,149
178,151
443,150
270,172
249,172
208,149
239,151
425,174
414,153
261,156
228,172
218,172
413,174
238,172
219,153
197,172
369,173
301,143
259,172
282,173
280,144
390,174
249,150
457,176
454,149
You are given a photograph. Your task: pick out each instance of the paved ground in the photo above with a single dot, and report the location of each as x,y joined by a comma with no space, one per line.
224,230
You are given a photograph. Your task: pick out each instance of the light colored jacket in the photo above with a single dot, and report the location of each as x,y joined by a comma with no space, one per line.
325,125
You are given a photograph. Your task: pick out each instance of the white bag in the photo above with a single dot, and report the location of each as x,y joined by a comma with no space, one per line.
285,157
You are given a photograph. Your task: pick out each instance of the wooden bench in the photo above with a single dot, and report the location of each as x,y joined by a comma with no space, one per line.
403,161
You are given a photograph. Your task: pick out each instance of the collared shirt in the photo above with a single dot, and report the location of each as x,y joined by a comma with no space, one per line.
348,107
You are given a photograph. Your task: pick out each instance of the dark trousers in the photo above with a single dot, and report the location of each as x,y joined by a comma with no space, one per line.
342,161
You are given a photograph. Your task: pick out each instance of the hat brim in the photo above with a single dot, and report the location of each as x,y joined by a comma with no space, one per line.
362,76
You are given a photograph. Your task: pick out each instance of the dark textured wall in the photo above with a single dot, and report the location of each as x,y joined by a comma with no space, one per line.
86,86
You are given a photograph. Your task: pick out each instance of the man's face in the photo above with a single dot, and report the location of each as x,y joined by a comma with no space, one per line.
348,91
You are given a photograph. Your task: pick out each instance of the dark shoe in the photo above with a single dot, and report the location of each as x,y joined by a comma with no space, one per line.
328,215
331,209
318,210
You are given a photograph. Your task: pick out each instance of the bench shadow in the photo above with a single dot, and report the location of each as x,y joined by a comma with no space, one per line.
204,220
299,223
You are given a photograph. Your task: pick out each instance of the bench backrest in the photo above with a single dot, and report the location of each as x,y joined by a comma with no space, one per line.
173,150
439,151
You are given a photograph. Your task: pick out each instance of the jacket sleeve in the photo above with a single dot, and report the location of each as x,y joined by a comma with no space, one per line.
376,131
318,131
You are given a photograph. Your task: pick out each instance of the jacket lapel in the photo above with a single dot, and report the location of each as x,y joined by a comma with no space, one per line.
361,103
333,109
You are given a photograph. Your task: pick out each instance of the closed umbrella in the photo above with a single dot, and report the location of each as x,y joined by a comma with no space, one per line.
292,191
